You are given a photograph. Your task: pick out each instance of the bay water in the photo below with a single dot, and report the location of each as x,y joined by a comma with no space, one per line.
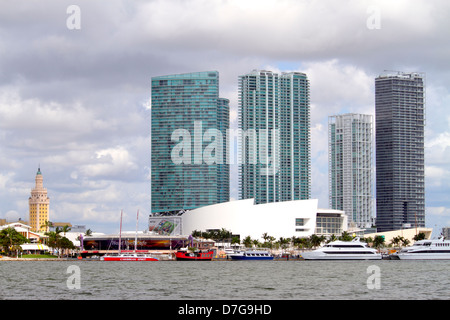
225,280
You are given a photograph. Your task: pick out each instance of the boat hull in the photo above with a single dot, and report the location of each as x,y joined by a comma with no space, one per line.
189,256
341,257
250,258
129,259
423,256
251,255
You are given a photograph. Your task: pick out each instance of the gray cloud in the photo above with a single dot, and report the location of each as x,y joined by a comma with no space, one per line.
75,100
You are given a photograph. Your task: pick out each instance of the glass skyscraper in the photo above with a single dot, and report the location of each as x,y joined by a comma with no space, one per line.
400,175
274,119
187,111
350,166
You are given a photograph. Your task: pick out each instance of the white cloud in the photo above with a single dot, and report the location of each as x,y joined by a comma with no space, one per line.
78,101
110,162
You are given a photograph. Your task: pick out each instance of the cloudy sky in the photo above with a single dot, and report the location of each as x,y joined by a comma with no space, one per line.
75,86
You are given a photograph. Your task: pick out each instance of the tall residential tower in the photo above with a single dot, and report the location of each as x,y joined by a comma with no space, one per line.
188,117
350,168
274,119
400,176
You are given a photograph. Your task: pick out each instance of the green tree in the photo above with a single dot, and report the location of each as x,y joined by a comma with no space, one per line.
302,243
419,236
247,242
395,241
54,240
315,240
378,242
284,242
332,238
47,225
65,229
405,242
268,240
235,240
345,236
10,240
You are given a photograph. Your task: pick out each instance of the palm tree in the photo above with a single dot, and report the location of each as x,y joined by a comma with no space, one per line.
65,229
332,238
284,242
88,232
302,243
247,242
235,240
54,239
47,225
419,236
378,241
395,241
316,240
368,240
346,236
405,242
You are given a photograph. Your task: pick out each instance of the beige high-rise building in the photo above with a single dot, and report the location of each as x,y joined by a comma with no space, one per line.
39,204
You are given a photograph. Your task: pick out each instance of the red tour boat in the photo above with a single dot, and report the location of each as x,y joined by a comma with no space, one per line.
185,255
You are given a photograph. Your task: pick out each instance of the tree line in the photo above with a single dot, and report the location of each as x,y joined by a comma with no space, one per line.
11,240
310,242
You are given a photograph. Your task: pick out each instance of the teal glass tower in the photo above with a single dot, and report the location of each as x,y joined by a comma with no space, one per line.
186,108
279,105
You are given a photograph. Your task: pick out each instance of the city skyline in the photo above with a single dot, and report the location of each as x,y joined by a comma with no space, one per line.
77,101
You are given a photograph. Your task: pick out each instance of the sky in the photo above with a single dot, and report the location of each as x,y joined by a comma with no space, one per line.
75,87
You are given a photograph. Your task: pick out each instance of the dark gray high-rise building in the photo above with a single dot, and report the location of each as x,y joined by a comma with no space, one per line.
400,173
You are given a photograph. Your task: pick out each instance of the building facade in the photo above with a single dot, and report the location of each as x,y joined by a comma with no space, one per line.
400,174
244,217
350,167
274,122
39,205
188,126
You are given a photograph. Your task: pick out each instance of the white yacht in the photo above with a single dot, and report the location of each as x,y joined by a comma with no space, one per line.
343,250
426,250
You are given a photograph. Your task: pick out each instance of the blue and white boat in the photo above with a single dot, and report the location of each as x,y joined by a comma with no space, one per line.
251,255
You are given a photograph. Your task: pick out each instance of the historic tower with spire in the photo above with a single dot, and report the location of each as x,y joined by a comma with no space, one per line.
39,204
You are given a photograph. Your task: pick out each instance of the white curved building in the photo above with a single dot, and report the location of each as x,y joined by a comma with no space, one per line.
278,219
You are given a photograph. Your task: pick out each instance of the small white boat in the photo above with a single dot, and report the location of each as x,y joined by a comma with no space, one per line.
343,250
425,250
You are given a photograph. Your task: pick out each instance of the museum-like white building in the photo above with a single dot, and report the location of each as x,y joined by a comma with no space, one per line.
278,219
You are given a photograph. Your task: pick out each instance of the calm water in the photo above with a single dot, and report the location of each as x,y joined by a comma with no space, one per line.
263,280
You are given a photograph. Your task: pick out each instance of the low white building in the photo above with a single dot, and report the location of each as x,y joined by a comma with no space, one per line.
278,219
